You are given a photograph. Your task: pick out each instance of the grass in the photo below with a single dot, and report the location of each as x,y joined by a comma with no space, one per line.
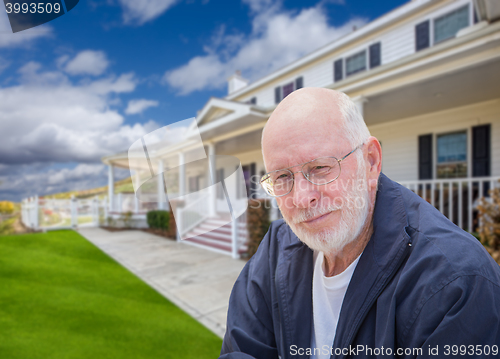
61,297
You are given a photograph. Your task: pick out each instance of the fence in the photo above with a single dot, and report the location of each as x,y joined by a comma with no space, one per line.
456,198
40,213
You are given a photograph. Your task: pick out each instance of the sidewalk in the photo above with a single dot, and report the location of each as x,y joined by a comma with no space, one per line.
198,281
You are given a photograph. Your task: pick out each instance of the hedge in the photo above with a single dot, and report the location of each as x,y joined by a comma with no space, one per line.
158,219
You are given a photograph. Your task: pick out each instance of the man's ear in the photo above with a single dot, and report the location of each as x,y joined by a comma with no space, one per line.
374,159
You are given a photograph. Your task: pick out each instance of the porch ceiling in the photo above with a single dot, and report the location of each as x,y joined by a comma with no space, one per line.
467,86
244,143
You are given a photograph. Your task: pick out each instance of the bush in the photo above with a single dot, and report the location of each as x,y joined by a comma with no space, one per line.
158,219
6,207
257,223
489,223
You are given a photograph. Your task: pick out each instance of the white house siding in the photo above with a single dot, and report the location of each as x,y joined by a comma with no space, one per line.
400,138
397,41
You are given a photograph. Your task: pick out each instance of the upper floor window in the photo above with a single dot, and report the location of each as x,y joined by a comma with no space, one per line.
443,27
370,58
281,92
252,101
355,63
452,155
447,26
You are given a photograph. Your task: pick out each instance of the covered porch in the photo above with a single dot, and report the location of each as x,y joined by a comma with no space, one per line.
437,117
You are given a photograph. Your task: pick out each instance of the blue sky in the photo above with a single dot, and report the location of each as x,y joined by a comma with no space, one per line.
93,81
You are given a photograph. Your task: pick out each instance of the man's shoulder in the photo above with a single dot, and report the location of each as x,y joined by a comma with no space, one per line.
446,249
439,247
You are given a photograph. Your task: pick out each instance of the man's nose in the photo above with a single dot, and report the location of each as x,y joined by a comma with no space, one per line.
305,194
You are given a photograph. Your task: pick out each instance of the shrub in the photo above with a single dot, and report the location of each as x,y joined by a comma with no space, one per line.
6,207
257,223
127,219
489,223
158,219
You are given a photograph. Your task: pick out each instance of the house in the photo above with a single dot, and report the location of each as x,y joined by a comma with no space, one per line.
426,77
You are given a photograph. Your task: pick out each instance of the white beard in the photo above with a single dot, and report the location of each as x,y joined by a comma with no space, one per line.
353,215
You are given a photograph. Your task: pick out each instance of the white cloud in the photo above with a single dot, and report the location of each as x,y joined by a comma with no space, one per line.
87,62
138,106
277,38
18,182
22,38
3,64
46,118
141,11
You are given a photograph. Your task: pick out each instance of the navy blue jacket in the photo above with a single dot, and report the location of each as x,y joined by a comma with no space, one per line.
421,282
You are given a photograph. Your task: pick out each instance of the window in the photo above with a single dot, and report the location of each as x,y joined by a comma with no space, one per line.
444,27
219,177
287,89
252,101
355,63
452,155
281,92
447,26
194,184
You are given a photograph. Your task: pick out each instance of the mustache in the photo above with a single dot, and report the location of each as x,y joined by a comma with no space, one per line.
314,212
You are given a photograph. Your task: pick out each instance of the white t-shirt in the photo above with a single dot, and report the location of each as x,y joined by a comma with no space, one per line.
328,295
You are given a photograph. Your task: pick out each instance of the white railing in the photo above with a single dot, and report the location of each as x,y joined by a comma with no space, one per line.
194,213
39,213
456,198
128,202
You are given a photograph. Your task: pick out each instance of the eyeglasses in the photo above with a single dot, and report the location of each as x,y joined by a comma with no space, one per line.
319,171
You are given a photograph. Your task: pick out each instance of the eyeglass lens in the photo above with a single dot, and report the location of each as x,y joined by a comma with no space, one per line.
319,172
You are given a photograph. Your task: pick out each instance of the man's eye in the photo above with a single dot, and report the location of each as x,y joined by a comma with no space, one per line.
318,170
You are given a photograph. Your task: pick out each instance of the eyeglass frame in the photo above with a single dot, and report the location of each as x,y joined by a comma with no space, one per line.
305,176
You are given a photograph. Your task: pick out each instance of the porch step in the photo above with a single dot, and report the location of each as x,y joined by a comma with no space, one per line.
216,234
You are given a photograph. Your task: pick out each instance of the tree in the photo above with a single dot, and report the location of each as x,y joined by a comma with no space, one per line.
6,207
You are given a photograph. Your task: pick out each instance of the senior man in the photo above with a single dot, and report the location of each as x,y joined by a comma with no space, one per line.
360,266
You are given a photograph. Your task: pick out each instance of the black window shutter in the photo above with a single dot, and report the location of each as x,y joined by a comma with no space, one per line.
481,150
425,157
422,35
337,70
253,101
375,55
277,94
299,82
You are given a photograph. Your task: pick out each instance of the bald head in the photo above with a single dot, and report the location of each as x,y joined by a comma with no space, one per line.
313,113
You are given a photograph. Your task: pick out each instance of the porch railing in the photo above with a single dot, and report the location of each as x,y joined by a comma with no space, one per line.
193,214
456,198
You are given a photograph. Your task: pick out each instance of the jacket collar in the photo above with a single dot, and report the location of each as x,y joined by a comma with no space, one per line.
379,262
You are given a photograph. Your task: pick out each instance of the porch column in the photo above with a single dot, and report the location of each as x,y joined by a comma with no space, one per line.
111,187
359,101
182,186
136,194
213,178
161,188
182,174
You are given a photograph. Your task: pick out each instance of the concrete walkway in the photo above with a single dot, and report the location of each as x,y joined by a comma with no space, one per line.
199,281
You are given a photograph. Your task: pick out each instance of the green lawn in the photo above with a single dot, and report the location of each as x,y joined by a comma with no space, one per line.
61,297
